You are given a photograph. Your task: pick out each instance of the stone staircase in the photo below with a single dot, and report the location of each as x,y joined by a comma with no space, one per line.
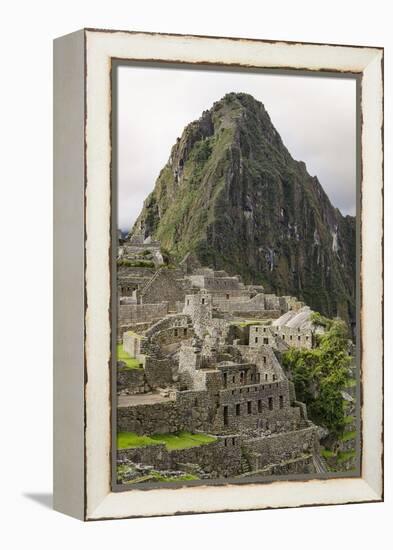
148,284
245,465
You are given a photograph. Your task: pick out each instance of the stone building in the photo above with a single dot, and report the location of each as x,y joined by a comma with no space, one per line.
280,337
198,375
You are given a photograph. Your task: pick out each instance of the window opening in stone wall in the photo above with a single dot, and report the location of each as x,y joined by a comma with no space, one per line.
259,405
238,409
226,416
281,400
270,401
248,407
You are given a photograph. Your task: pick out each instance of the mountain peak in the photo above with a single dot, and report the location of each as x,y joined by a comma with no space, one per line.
232,196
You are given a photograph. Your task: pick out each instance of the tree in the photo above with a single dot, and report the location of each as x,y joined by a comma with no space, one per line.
321,374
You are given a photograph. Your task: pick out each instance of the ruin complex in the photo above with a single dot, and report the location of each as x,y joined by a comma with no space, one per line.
206,351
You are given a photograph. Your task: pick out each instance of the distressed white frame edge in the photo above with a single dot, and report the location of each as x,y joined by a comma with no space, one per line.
101,46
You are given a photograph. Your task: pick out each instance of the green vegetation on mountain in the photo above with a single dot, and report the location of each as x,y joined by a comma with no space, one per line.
232,197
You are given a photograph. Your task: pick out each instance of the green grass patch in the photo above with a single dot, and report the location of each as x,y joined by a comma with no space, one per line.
349,419
347,436
185,477
131,440
181,440
155,476
131,362
327,453
344,456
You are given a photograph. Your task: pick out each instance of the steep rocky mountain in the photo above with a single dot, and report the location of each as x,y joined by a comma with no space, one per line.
232,197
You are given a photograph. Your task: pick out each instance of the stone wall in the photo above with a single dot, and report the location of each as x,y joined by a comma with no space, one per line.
132,380
216,284
295,337
141,313
301,465
280,447
272,302
159,372
171,329
265,406
266,361
148,419
260,335
190,375
130,279
221,458
190,412
166,285
199,308
268,335
133,343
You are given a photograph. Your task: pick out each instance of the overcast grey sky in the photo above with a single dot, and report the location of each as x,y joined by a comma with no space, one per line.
315,116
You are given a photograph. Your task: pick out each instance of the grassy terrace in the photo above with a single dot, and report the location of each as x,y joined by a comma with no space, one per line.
156,476
131,362
181,440
153,475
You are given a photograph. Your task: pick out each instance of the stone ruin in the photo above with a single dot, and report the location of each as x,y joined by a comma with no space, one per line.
209,349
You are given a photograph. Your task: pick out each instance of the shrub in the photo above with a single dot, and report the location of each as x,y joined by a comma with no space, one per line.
321,374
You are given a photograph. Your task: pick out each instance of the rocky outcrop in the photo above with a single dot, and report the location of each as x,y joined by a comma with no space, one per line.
232,197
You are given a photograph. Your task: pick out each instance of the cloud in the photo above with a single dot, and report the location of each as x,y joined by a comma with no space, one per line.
315,116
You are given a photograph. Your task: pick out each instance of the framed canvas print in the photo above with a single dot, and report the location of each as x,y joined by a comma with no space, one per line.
218,274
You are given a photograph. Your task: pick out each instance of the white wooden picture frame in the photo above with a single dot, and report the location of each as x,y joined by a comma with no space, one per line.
83,258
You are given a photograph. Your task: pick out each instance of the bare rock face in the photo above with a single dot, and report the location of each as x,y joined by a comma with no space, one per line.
232,197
